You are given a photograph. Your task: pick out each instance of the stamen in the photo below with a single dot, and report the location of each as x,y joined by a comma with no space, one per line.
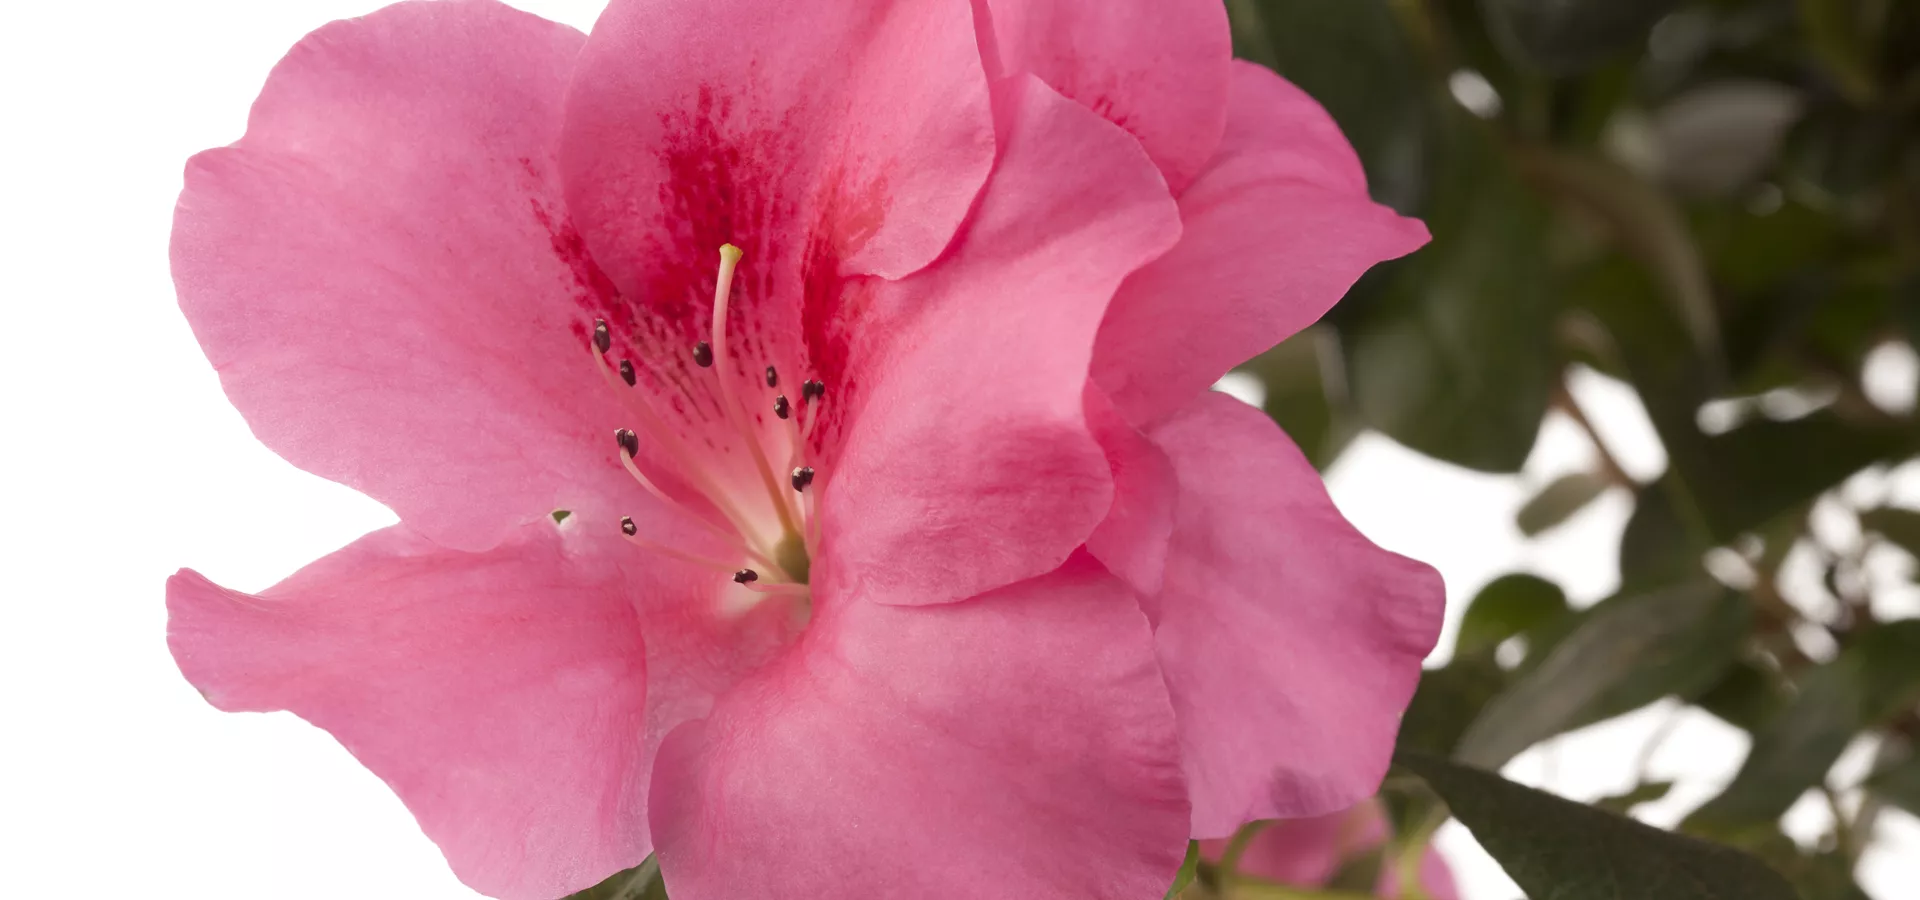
773,377
626,372
781,407
733,538
802,476
664,438
602,338
722,296
788,589
697,560
703,354
813,387
745,576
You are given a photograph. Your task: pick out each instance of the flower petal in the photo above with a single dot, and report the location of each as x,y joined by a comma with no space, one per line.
970,464
1157,68
1276,229
825,139
500,694
382,272
1132,540
1291,643
1019,744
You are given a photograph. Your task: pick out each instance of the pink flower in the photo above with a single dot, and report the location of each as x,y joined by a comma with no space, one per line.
923,563
1311,852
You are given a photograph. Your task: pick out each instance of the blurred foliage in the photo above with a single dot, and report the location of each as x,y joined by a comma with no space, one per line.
1717,204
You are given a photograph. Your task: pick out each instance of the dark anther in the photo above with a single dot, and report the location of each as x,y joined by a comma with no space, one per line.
626,372
703,354
627,527
802,477
813,388
781,407
602,338
745,575
628,441
773,378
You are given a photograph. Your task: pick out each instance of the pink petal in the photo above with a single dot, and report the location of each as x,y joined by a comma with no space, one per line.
1291,643
825,139
1132,540
970,464
1016,745
382,272
1157,68
723,119
1276,229
500,694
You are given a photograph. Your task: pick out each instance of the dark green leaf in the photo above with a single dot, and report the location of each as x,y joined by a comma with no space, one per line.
1901,526
1556,849
1644,792
1656,548
1301,399
1352,57
1898,784
1873,678
1747,696
1563,36
642,882
1447,700
1455,355
560,515
1509,605
1627,652
1559,500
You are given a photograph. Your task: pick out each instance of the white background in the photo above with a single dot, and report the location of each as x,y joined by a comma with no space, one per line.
121,462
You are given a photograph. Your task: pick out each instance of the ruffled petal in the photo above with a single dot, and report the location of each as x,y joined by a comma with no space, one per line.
1157,68
383,273
1277,228
1019,744
1132,540
1291,643
969,463
500,694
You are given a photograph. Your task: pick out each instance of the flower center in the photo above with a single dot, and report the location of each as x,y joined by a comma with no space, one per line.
774,540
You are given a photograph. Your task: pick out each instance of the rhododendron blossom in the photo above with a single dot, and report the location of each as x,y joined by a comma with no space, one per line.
865,347
1315,851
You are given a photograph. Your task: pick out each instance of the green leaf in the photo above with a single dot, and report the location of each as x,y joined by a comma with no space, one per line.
1565,36
642,882
1447,700
1189,870
1646,223
1644,792
1898,784
1510,605
1455,355
1746,697
1309,406
1556,849
1627,651
1353,58
1559,500
1656,549
1901,526
1872,679
560,515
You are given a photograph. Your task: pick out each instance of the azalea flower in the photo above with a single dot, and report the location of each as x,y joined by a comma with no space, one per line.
797,417
1311,853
